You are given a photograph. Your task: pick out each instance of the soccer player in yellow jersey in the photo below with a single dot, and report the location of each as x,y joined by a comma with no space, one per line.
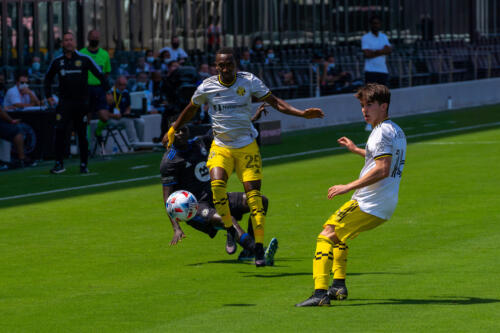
229,95
372,203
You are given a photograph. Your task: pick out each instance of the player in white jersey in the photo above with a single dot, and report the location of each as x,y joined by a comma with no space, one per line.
229,96
372,203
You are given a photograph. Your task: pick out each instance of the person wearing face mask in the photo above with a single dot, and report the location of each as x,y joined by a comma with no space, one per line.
257,51
142,66
150,58
20,95
176,52
97,95
34,71
143,84
270,57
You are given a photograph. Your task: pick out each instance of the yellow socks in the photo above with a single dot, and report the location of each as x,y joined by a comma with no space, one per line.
340,251
220,201
257,213
322,262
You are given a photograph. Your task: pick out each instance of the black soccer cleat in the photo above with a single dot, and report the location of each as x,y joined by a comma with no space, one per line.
246,255
315,300
260,260
337,293
58,168
84,168
230,243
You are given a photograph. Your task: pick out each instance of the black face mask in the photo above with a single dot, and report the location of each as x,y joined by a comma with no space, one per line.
175,45
93,42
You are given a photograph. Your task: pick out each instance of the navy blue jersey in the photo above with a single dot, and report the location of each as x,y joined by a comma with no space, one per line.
187,169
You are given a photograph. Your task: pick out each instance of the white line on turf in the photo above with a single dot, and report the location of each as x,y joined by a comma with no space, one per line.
451,130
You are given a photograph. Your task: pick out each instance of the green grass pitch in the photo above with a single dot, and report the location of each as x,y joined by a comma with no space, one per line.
97,259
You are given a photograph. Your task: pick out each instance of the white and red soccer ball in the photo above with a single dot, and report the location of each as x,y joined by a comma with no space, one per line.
181,206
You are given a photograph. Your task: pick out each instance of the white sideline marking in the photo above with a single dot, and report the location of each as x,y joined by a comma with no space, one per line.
139,167
78,187
20,196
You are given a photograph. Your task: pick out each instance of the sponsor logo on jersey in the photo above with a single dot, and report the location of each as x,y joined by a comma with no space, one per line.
241,91
78,63
201,172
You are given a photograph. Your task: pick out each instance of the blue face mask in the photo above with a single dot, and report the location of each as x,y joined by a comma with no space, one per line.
35,66
258,46
141,85
150,59
123,66
331,66
244,62
270,55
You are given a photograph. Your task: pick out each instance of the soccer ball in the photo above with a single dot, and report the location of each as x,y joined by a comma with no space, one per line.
181,206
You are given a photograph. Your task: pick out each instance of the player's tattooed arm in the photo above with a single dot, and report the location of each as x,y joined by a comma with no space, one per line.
286,108
178,233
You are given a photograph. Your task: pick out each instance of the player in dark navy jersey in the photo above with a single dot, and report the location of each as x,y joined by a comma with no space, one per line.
183,167
72,69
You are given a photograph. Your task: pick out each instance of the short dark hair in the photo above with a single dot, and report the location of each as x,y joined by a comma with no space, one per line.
226,50
373,18
67,32
374,92
20,74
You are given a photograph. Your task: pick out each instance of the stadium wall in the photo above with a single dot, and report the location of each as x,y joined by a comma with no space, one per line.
343,109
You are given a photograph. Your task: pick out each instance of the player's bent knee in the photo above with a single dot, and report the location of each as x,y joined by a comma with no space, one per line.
329,231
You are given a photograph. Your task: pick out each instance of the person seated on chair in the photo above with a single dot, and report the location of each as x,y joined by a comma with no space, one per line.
10,131
20,95
119,114
143,84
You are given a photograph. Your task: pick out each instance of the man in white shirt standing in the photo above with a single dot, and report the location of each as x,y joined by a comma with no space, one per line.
375,46
20,95
373,202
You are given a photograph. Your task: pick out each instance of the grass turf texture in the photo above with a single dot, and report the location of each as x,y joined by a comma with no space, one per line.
98,259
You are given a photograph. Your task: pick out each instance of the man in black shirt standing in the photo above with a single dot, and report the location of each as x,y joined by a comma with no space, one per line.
183,167
72,68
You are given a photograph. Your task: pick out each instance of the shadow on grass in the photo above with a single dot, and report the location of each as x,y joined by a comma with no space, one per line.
35,180
239,304
236,261
275,275
437,300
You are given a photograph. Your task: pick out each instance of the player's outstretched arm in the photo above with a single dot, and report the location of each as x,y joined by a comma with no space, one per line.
286,108
349,144
186,115
378,172
178,233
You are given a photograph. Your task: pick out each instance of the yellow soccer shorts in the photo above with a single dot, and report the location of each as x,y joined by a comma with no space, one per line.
350,221
246,161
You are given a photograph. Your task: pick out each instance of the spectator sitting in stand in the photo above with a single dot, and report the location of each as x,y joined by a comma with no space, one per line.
34,71
142,66
20,95
212,70
123,68
287,78
245,60
270,57
203,72
142,84
158,89
176,52
257,51
333,78
119,113
150,57
163,61
9,131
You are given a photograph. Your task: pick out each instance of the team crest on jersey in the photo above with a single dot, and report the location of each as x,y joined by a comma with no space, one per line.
241,91
78,63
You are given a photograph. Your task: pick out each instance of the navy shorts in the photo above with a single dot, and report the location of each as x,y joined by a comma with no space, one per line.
97,99
8,131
